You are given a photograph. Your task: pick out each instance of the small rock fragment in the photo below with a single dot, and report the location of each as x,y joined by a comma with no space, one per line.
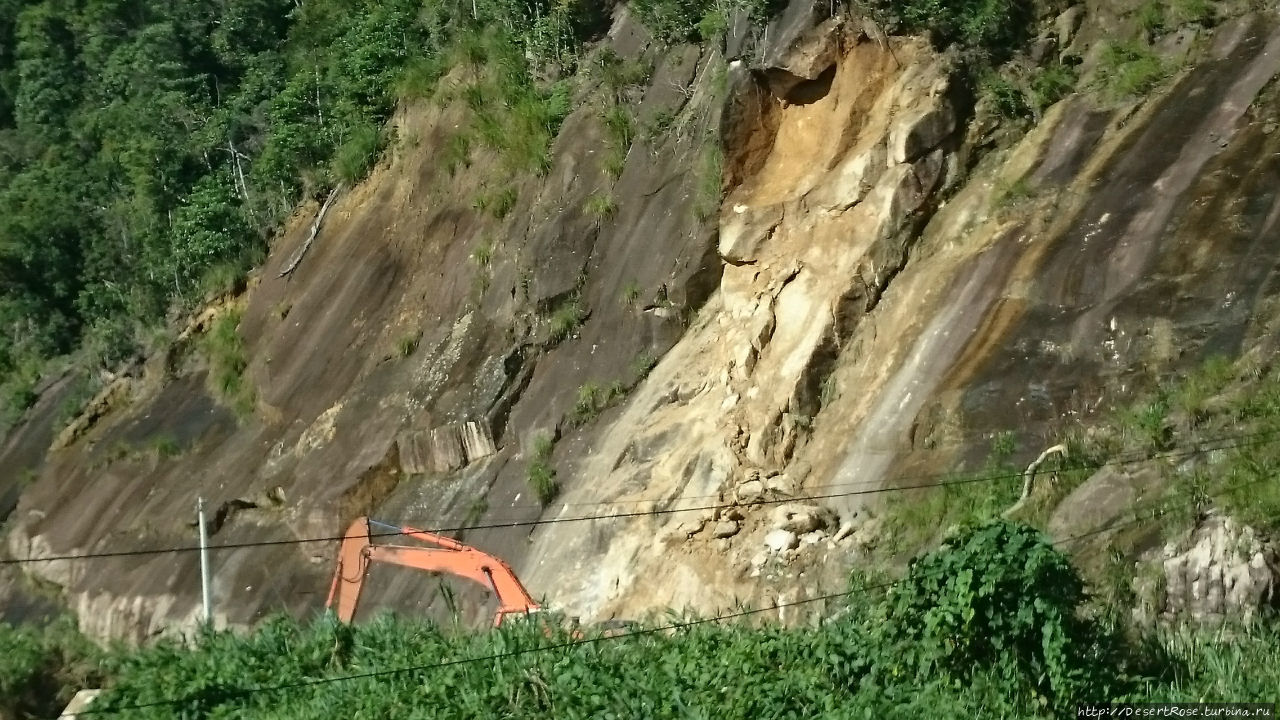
750,491
725,529
780,540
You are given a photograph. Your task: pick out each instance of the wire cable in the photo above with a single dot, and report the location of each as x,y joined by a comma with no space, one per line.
502,525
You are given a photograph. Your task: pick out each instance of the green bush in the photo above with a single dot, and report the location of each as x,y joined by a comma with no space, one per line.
40,668
999,596
1004,95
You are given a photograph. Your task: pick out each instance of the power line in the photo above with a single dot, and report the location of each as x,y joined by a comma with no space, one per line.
663,511
674,626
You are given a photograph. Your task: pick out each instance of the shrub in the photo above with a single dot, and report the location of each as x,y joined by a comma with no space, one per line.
630,294
1004,95
483,254
709,190
642,364
998,596
166,446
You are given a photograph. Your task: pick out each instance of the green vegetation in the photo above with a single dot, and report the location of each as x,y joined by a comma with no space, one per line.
166,446
619,131
41,668
408,343
566,318
600,205
1131,68
1017,95
710,188
111,224
1004,95
541,473
483,254
642,364
497,203
1050,84
594,399
476,510
994,28
683,20
618,75
225,351
1013,192
994,623
630,294
357,153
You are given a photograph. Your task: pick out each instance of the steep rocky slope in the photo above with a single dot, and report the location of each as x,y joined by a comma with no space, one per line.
885,286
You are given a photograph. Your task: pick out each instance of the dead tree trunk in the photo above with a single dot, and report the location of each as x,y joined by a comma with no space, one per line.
315,230
1029,476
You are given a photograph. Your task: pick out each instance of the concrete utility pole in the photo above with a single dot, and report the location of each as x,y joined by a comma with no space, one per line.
206,589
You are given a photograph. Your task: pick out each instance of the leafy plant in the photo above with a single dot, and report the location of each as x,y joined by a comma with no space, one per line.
642,364
999,596
710,185
1013,192
994,27
1004,95
483,254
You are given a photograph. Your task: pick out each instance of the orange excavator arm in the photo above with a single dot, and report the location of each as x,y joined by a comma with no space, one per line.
445,555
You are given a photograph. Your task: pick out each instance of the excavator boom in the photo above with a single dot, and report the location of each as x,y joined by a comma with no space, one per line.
444,555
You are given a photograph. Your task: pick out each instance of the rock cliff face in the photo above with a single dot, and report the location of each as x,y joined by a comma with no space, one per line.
871,300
